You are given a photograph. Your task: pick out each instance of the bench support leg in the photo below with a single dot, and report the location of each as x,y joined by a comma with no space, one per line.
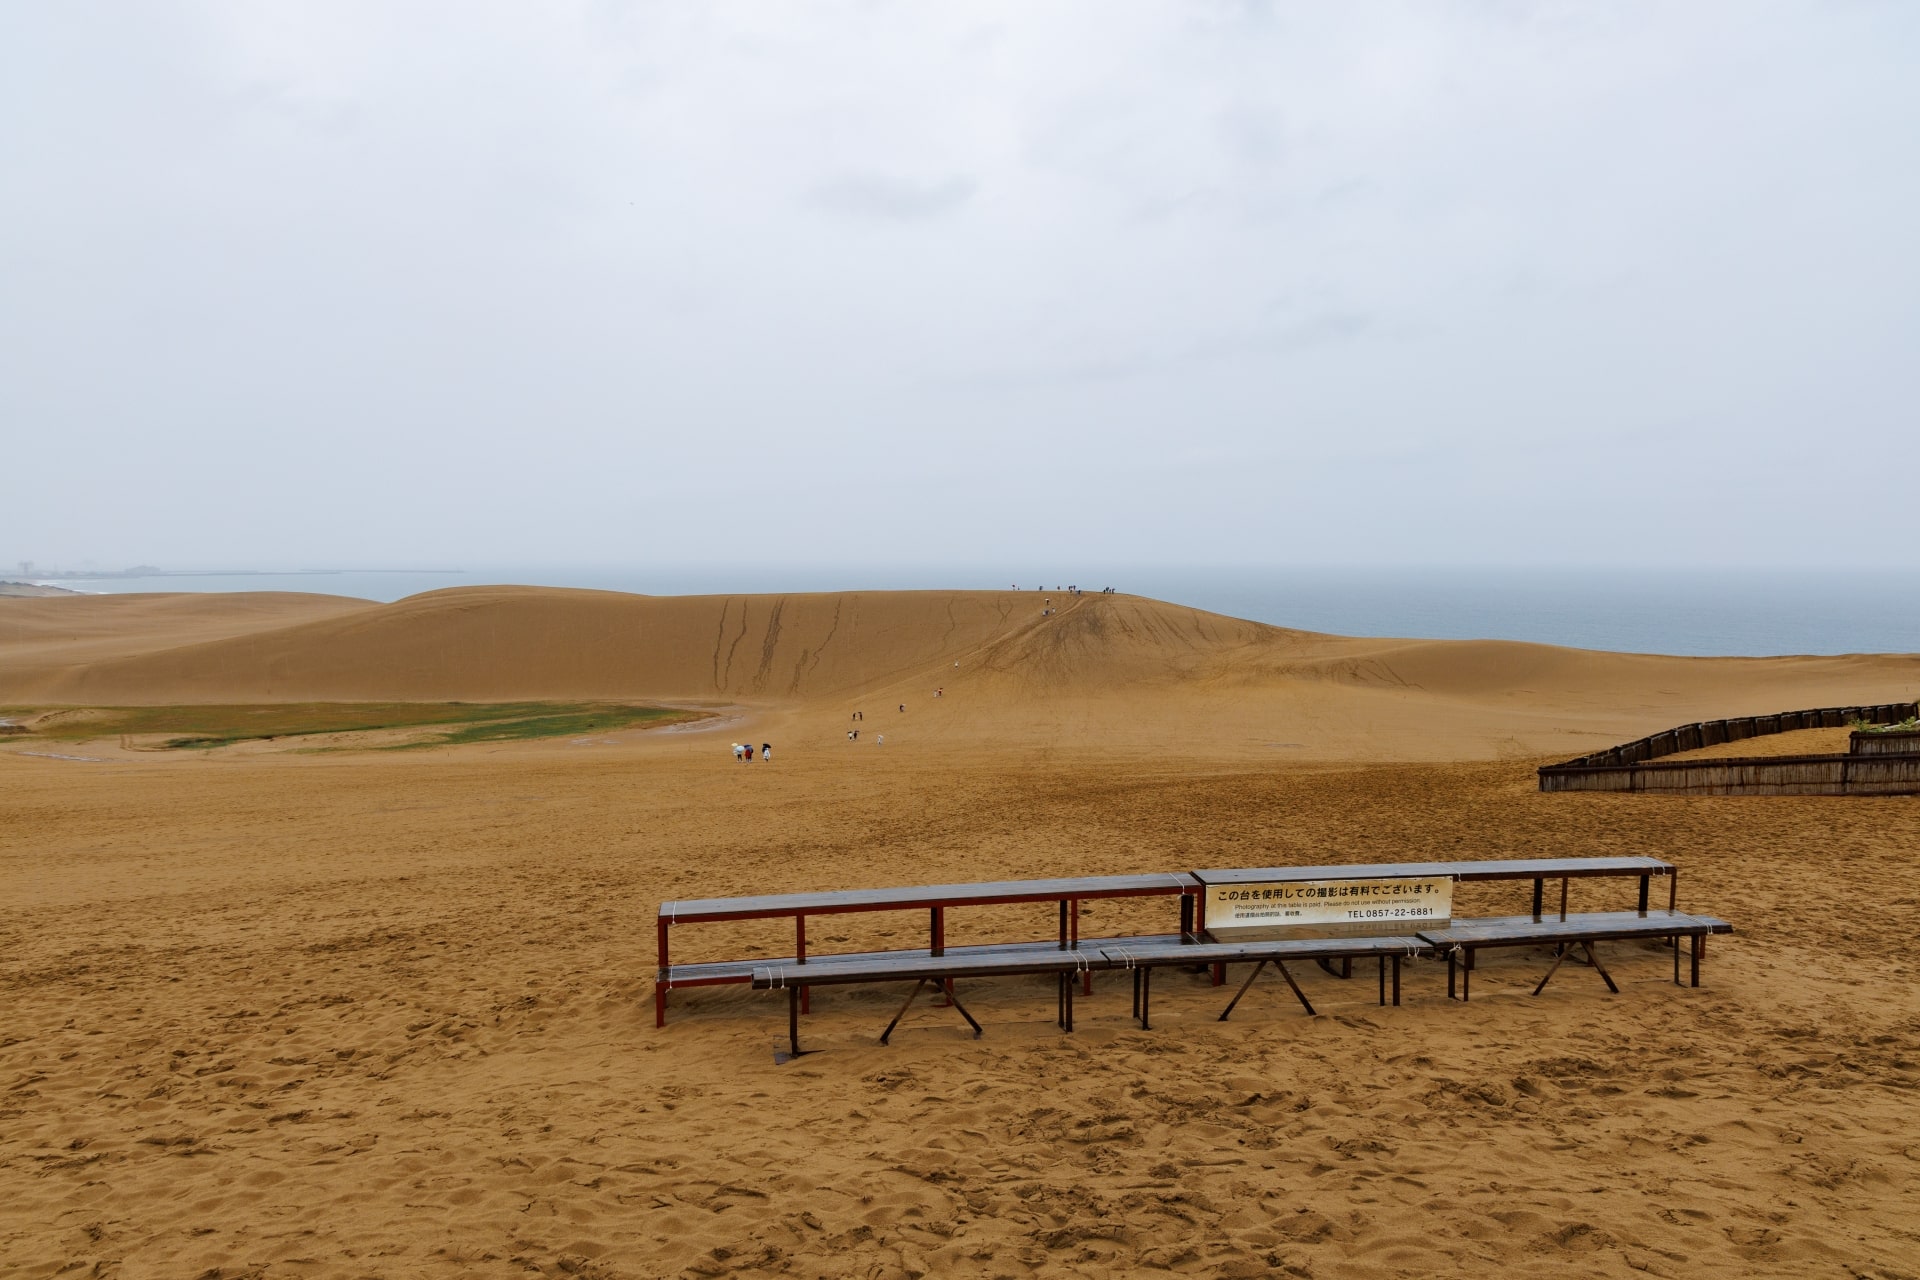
800,957
1281,966
1452,967
1699,945
1066,984
1558,960
1146,996
1396,980
955,1002
660,991
1383,981
938,985
1346,966
911,997
1243,990
793,1021
1675,940
1594,960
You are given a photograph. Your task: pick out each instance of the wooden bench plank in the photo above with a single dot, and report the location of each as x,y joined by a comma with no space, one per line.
1519,931
836,970
1129,957
716,972
985,893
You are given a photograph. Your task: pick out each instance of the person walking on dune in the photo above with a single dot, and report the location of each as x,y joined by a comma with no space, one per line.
766,753
880,741
736,753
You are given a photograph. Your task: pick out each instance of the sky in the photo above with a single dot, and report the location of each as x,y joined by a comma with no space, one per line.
1490,283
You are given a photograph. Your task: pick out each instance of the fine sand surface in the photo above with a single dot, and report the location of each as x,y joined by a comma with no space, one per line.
359,1014
1798,742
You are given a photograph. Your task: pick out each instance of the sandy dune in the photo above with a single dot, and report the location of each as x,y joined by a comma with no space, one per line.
68,631
282,1015
1118,672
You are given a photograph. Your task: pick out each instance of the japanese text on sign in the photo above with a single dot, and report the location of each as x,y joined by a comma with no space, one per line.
1329,906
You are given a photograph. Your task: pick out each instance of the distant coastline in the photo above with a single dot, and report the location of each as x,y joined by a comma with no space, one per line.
149,571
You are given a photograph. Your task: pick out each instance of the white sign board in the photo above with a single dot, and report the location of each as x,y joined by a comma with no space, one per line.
1328,908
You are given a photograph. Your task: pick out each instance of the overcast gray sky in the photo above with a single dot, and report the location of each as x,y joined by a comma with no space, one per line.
1495,282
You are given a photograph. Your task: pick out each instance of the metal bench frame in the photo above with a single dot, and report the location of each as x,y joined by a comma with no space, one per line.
1461,940
934,899
1070,892
1141,958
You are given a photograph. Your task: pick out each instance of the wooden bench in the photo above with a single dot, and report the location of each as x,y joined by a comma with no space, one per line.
1538,870
1460,940
934,899
1143,960
1069,955
1139,955
920,969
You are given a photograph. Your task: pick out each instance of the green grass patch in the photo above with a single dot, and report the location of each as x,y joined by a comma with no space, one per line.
202,727
569,723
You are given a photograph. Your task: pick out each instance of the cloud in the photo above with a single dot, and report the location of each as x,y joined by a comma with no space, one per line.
892,199
255,257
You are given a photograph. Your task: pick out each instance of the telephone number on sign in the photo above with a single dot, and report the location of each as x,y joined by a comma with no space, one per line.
1388,913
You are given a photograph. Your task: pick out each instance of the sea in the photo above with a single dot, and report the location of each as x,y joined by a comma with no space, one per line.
1700,612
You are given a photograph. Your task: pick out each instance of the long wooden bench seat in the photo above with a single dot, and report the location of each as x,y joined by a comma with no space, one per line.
1140,955
921,969
1143,960
714,972
1460,940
